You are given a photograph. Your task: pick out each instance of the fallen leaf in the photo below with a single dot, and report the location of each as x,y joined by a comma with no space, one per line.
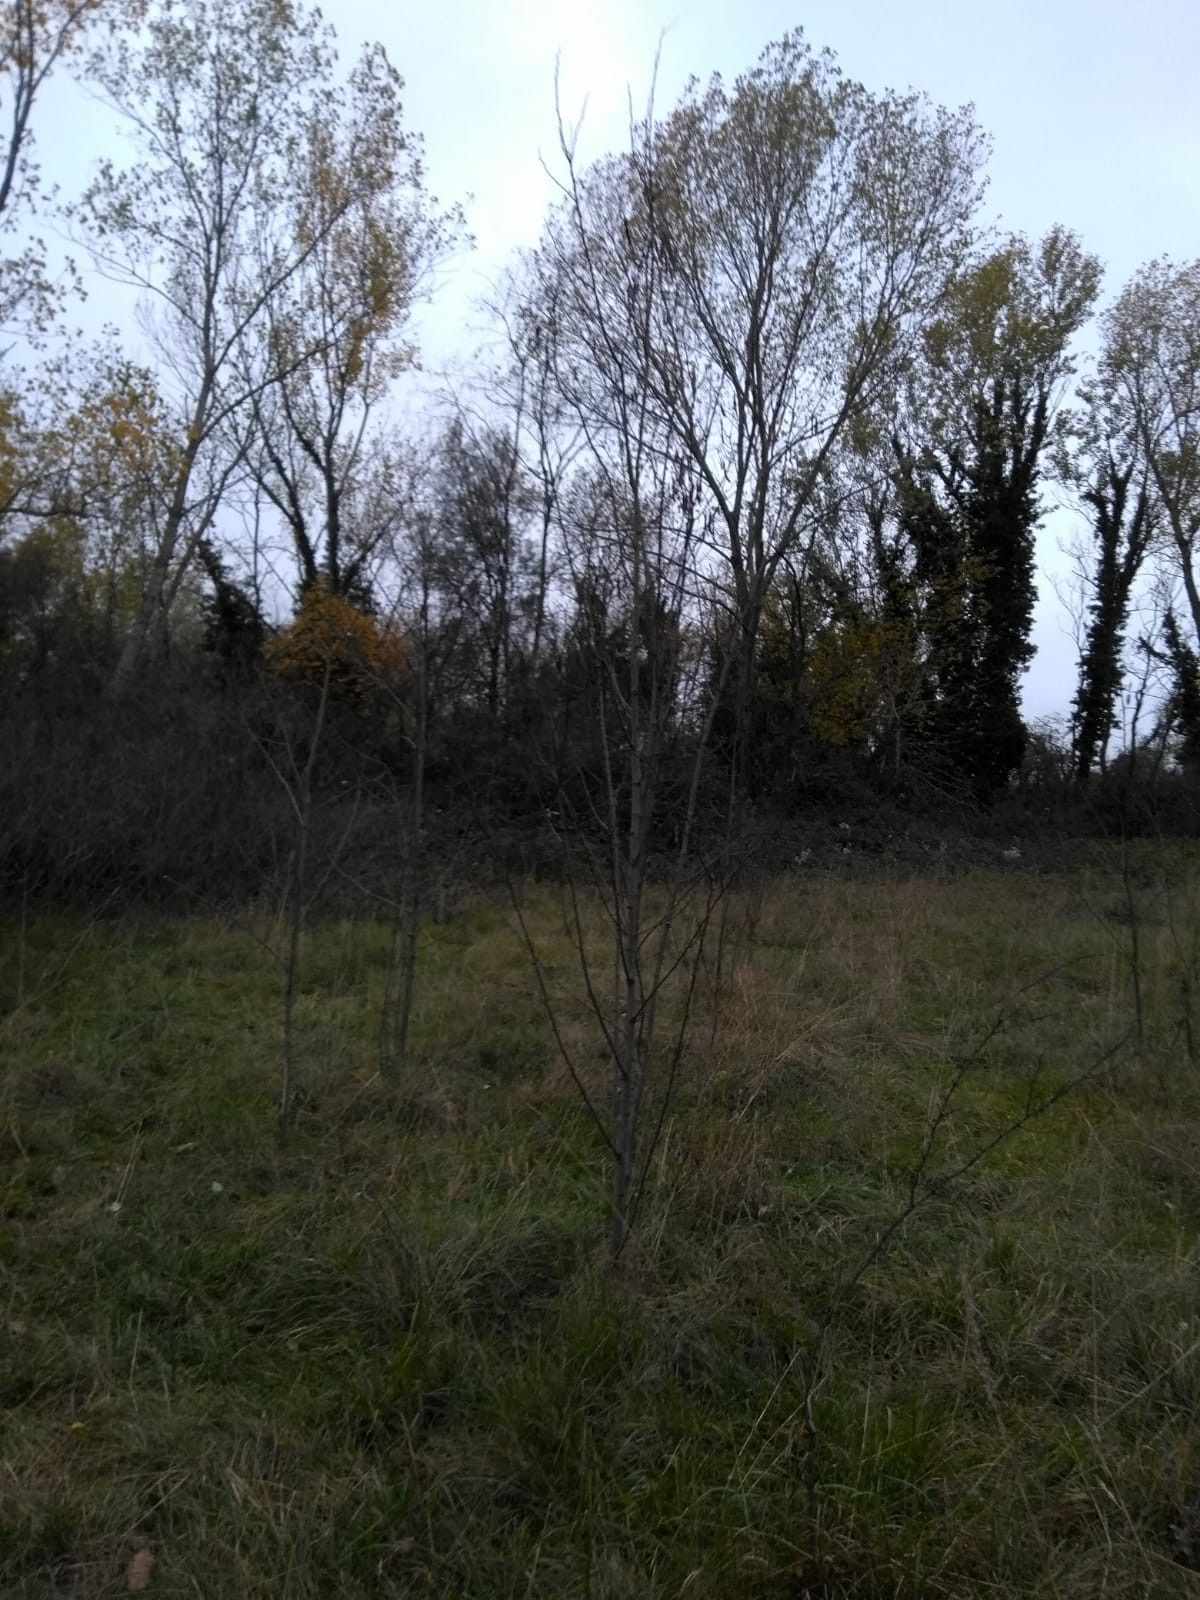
140,1570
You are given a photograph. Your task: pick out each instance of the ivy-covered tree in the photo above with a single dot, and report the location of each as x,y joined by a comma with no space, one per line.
1123,523
969,472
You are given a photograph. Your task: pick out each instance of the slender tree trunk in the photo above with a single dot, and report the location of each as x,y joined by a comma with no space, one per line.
394,1054
1190,586
413,902
297,908
160,588
629,1066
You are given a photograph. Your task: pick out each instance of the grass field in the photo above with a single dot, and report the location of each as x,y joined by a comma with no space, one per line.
390,1360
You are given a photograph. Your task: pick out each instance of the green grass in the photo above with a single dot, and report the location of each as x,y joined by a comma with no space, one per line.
390,1360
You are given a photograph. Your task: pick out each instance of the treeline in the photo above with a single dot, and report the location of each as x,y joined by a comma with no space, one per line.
739,515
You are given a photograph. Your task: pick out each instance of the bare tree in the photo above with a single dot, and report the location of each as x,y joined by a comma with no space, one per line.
801,231
415,604
1150,371
35,35
625,795
545,435
297,780
333,337
219,100
718,304
481,550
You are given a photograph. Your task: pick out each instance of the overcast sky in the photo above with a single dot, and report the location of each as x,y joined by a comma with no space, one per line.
1091,105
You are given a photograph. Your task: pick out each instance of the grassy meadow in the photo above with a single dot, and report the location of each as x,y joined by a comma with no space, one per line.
390,1360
